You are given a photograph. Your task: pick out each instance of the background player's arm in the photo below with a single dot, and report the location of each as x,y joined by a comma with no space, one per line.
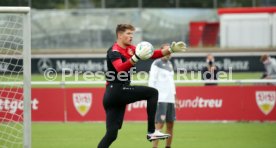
153,75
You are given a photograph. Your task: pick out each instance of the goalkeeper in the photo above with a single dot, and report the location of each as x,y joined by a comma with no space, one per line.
120,58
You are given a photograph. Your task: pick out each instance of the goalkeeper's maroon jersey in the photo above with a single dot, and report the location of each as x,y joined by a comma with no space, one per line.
118,63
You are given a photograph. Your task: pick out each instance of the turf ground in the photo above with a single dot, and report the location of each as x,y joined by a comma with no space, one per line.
132,135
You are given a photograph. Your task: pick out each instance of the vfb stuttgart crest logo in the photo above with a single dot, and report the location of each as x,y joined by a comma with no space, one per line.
82,102
266,100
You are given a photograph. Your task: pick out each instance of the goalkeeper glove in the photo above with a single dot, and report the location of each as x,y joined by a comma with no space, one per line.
177,47
142,54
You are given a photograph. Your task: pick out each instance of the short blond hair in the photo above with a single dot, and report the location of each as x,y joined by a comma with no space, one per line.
123,28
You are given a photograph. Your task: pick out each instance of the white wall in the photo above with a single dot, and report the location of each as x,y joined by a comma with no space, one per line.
246,30
273,33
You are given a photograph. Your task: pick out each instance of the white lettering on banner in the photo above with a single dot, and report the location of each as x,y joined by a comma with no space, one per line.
224,65
13,105
137,105
81,66
235,65
200,102
266,101
188,65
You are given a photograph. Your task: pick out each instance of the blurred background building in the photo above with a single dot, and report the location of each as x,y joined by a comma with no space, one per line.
88,25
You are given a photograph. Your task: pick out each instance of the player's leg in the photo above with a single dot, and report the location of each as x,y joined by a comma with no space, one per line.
160,119
158,126
132,94
170,123
111,132
109,137
114,120
114,116
169,131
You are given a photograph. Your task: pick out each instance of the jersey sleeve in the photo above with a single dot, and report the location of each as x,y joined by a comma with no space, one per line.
118,64
114,55
157,54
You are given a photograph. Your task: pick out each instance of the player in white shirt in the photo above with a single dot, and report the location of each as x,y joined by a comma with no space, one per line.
162,78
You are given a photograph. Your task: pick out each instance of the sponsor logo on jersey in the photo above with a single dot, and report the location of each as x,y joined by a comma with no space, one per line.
130,51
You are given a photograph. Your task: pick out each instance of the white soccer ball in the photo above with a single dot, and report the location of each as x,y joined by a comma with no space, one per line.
141,46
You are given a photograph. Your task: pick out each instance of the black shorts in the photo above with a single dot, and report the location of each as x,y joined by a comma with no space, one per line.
117,96
165,112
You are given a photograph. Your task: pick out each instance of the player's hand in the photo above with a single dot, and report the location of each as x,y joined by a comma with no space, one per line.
143,54
178,47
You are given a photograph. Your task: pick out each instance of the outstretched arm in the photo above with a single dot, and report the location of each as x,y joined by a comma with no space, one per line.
174,47
159,53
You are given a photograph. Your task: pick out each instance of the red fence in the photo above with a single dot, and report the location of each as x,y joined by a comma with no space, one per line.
196,103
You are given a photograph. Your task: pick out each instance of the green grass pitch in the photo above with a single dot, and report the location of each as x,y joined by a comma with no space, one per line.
132,135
